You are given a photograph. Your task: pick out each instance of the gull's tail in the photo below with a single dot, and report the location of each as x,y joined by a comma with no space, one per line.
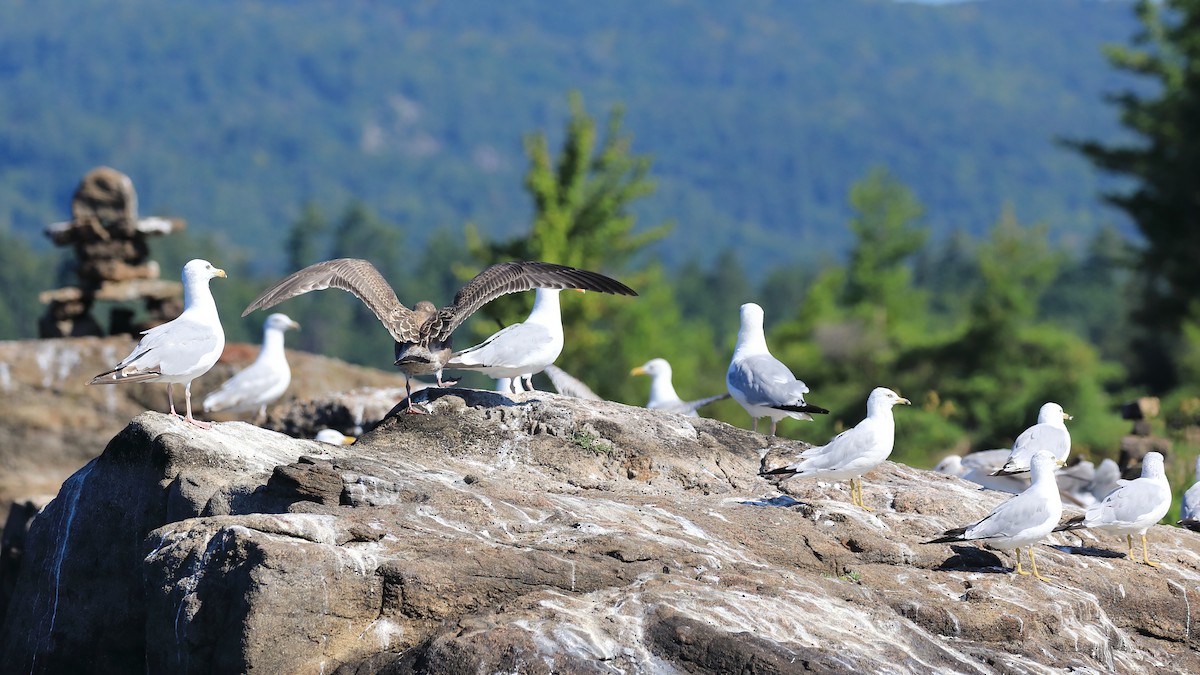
949,536
785,471
805,408
1192,524
1072,524
1009,470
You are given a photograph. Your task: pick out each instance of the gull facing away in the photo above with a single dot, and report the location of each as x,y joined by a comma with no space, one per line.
1189,510
1021,521
520,351
261,382
179,350
760,382
1049,434
662,392
423,333
855,451
1107,478
1131,508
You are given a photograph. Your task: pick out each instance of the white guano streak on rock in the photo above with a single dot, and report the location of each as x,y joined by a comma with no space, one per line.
70,494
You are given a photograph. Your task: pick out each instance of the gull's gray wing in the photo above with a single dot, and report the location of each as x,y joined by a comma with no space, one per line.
506,347
1126,505
1035,439
567,385
246,386
514,277
764,381
693,406
838,453
1012,517
358,277
1189,509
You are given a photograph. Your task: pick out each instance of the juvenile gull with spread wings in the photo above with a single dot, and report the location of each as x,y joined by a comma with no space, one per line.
423,333
179,350
262,382
1131,508
1049,434
855,451
760,382
1021,521
662,392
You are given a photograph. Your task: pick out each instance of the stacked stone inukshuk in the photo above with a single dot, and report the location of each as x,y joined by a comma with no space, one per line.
112,261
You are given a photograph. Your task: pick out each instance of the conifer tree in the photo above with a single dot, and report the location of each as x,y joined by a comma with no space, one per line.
1163,164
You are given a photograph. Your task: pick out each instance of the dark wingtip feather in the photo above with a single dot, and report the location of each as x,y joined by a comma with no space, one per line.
806,408
783,470
949,536
1072,524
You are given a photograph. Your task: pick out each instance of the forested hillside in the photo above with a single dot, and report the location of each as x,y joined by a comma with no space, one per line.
759,115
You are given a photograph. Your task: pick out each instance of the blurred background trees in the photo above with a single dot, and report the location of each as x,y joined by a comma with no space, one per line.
978,324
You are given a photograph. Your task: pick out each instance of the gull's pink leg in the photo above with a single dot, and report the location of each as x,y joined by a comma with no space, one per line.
171,399
754,424
774,423
187,397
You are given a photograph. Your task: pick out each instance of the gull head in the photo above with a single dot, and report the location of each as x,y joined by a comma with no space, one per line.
752,315
1152,465
1043,464
198,270
884,397
1052,413
280,322
653,368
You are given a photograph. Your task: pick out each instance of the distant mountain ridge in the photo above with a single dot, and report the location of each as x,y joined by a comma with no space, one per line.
759,114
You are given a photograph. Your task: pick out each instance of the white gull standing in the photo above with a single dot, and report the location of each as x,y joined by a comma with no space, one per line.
521,350
1131,508
262,382
1021,521
662,392
760,382
855,451
179,350
1049,434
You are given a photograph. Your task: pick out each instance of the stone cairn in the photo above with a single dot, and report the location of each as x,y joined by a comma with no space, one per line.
112,261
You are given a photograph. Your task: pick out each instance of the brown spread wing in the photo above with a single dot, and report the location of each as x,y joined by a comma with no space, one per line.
514,277
355,276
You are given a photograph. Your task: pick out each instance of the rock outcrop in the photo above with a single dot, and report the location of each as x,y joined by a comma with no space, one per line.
548,534
51,424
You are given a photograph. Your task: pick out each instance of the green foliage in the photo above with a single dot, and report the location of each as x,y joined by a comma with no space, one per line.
23,274
977,374
582,218
1162,164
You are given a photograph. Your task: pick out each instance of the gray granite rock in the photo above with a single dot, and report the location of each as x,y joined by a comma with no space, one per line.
544,534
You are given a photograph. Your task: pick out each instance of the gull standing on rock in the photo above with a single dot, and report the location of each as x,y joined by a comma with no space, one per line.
855,451
263,381
423,333
1131,508
1049,434
760,382
662,392
1189,509
1021,521
179,350
522,350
